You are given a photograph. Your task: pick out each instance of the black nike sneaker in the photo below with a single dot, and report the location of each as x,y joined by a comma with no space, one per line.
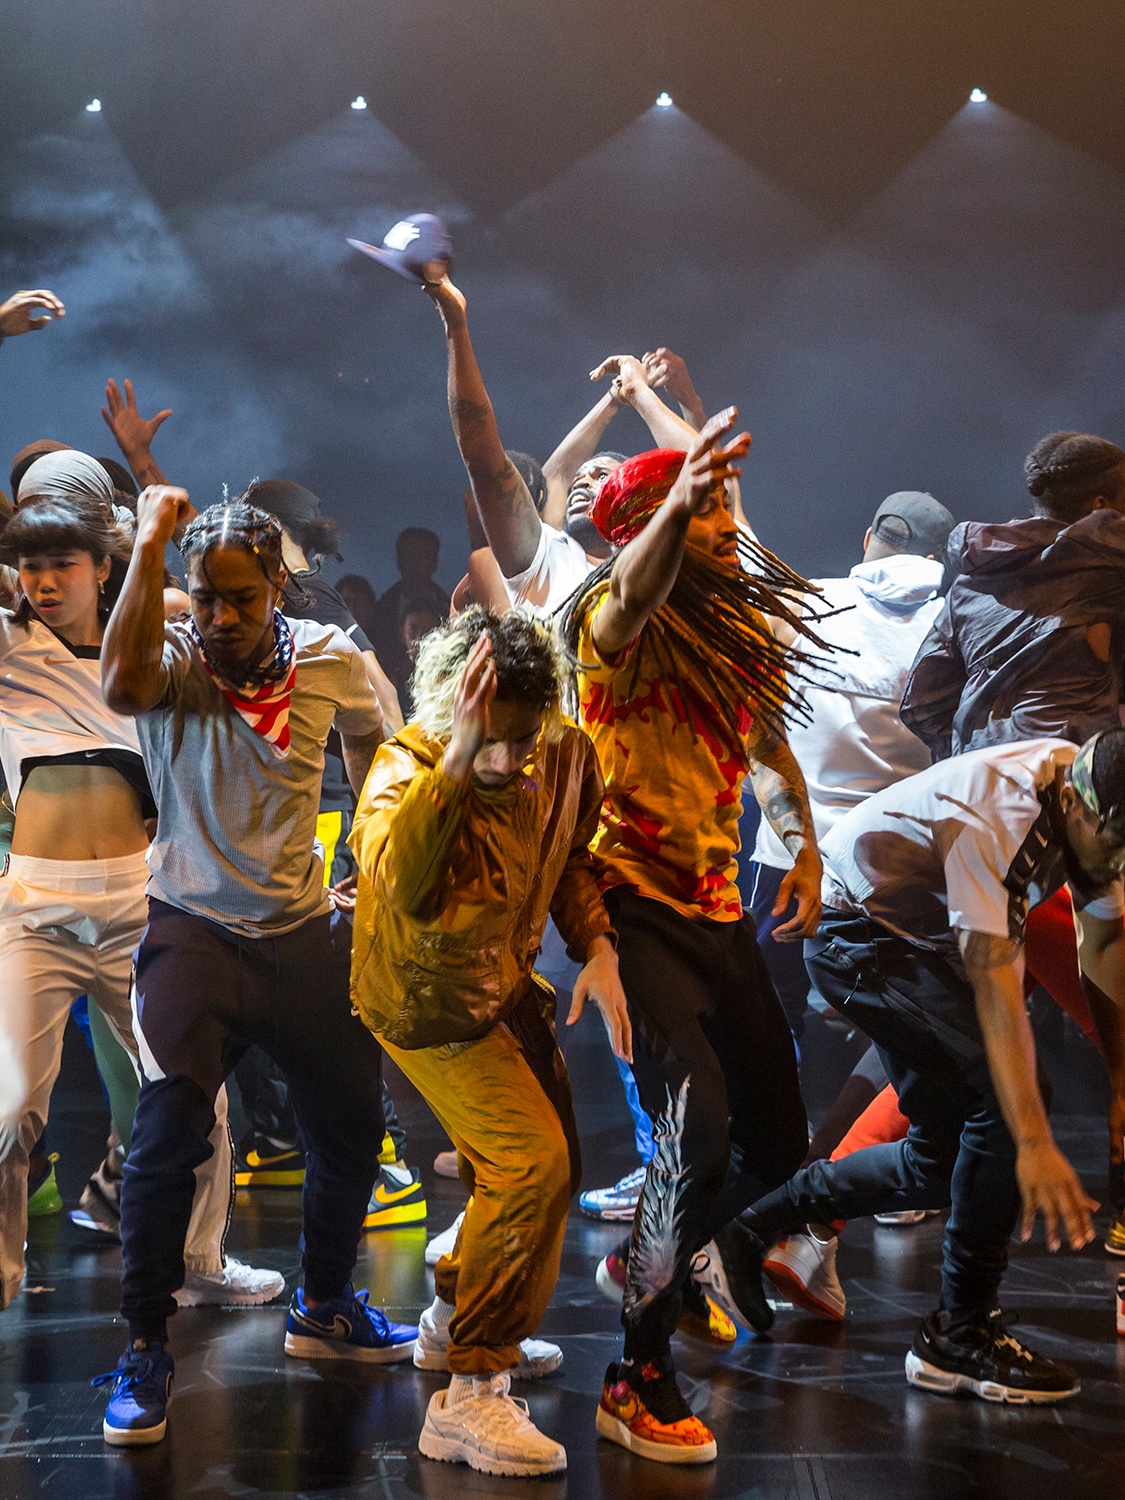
975,1352
732,1276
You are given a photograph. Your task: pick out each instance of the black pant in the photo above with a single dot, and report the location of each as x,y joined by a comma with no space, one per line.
717,1072
269,1109
917,1006
204,994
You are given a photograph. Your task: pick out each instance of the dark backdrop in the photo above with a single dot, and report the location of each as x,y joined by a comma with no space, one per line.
898,288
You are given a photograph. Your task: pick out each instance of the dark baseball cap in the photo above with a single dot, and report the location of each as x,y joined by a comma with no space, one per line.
418,247
912,521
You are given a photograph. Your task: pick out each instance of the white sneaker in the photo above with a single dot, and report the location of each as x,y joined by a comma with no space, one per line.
537,1357
235,1285
490,1431
804,1268
906,1218
443,1243
617,1203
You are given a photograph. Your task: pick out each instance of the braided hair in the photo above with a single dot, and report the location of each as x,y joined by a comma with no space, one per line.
236,524
1066,472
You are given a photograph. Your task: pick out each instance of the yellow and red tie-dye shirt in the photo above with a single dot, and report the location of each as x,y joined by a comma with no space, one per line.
669,824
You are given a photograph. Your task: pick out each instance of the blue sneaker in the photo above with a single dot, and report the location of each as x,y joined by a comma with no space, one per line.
138,1404
616,1204
346,1328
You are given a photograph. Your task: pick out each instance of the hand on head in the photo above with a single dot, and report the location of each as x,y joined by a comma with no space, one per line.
472,700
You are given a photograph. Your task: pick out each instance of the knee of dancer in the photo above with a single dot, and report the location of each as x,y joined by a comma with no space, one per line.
931,1164
542,1178
171,1127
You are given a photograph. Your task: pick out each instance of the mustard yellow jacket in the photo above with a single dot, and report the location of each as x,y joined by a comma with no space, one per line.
456,883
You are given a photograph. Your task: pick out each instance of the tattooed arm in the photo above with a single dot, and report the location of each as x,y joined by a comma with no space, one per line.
510,520
780,790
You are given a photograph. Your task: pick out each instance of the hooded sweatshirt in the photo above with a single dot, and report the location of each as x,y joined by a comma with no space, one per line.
855,743
1029,644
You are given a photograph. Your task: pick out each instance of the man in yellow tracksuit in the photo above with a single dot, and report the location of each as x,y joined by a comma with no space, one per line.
473,827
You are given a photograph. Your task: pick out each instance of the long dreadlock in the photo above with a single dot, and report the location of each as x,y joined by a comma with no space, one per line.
713,622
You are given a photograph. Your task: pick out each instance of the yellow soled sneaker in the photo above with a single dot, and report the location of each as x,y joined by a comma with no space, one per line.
399,1199
262,1163
1115,1237
644,1411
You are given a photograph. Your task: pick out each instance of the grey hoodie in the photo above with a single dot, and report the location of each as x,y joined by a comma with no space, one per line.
1031,639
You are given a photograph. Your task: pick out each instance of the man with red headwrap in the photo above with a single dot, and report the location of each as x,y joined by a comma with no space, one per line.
684,691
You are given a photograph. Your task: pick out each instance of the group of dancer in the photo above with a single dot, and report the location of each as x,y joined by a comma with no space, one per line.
941,778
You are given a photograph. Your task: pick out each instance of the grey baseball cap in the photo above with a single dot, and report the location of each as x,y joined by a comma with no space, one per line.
418,248
912,521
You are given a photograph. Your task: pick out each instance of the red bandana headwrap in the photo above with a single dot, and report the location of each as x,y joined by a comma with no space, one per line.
632,494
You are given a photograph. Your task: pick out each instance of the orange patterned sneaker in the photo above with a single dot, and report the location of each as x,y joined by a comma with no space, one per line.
644,1411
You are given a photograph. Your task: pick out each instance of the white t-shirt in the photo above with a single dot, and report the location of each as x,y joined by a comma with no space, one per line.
556,570
965,846
51,701
856,744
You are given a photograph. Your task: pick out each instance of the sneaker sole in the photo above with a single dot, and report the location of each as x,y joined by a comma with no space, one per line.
432,1259
786,1280
689,1328
927,1377
429,1358
293,1179
305,1346
615,1431
134,1437
451,1451
714,1279
81,1220
606,1284
395,1218
610,1215
190,1297
1118,1250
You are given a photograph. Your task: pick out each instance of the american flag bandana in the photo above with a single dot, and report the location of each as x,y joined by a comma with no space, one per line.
263,700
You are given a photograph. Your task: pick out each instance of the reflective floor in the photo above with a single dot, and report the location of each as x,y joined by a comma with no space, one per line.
814,1411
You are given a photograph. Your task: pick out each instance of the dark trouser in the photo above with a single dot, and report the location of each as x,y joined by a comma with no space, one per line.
716,1070
784,961
917,1007
204,994
265,1099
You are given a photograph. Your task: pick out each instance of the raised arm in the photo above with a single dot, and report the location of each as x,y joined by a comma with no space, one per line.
1048,1183
133,675
667,371
134,433
645,570
511,522
578,447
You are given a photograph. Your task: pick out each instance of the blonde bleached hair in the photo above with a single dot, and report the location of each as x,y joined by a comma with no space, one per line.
531,667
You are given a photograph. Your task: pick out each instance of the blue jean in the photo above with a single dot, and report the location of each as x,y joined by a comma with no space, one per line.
917,1006
204,994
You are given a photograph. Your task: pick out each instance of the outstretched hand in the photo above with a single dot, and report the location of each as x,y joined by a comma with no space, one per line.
629,377
709,463
472,701
134,433
16,314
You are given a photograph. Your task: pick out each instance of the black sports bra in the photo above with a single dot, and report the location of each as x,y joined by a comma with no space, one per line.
127,763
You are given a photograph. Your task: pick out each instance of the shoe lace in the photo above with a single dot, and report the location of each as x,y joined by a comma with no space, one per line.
133,1371
507,1412
374,1314
998,1324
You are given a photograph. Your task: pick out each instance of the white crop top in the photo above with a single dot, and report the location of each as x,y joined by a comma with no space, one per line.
51,701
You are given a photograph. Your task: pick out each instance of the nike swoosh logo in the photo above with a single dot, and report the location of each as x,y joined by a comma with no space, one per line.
254,1160
59,661
382,1196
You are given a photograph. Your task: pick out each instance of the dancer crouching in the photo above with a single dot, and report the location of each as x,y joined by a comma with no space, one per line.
474,825
684,691
233,710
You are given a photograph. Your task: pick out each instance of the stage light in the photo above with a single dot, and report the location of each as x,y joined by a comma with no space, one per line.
978,96
664,101
359,102
94,107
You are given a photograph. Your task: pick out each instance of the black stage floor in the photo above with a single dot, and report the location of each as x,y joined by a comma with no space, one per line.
814,1411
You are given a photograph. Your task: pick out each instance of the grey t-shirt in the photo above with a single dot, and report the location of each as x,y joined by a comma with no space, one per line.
236,823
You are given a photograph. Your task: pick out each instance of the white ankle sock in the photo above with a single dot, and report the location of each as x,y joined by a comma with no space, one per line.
460,1389
441,1312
